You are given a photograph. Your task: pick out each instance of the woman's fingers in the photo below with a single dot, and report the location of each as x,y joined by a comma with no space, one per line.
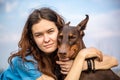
64,72
100,58
99,54
65,69
92,52
65,66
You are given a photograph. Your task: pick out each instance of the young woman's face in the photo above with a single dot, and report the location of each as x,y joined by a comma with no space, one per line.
45,35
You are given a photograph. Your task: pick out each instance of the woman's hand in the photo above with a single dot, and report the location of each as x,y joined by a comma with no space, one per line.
91,52
65,65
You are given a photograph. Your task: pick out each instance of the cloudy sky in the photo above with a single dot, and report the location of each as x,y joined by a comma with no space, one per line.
102,32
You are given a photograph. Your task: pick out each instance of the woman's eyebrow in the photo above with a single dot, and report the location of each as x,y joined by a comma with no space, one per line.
37,33
50,29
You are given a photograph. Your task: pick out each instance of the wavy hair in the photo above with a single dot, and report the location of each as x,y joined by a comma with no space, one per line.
27,45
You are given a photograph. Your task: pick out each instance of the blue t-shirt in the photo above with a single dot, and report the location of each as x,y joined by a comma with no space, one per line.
21,70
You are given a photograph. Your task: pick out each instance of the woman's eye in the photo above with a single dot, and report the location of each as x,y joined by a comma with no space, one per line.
50,31
38,35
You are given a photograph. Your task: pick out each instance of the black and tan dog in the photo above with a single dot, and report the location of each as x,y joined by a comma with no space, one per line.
70,41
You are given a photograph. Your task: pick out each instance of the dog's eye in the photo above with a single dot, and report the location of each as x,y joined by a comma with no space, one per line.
60,37
72,37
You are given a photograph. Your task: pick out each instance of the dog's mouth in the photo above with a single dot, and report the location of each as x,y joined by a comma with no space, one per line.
62,57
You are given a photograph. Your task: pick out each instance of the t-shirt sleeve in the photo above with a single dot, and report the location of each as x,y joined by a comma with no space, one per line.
20,70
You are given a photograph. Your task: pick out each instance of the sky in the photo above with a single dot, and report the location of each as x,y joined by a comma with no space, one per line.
102,31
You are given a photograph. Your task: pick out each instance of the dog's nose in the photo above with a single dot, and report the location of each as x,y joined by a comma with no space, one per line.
62,53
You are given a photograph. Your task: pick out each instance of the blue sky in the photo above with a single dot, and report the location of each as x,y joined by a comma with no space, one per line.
102,32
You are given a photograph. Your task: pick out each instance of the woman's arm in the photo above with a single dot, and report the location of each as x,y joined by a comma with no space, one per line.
76,69
107,63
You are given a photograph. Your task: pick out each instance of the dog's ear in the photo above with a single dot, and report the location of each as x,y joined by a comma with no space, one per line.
68,23
83,23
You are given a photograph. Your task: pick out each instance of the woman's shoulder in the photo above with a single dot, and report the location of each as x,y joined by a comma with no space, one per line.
18,62
22,70
29,57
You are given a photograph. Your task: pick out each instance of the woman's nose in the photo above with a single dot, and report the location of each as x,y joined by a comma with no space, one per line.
46,38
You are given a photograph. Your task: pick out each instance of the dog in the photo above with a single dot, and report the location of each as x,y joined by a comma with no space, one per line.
70,42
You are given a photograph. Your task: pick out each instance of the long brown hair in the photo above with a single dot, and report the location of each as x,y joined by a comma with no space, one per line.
27,42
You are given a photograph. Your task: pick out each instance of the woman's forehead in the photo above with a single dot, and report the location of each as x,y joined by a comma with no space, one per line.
43,25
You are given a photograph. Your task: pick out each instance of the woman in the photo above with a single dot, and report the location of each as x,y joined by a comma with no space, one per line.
38,48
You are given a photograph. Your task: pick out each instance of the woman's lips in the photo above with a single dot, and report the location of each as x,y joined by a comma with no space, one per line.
48,45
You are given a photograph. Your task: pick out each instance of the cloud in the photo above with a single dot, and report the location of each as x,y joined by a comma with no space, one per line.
104,34
106,18
1,1
104,25
1,27
106,1
100,26
9,6
9,38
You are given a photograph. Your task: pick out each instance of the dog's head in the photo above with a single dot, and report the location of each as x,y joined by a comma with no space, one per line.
70,39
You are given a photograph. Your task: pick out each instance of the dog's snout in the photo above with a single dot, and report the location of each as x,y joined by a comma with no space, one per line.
62,53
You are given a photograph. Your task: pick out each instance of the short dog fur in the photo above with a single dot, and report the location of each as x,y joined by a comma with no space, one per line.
70,41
